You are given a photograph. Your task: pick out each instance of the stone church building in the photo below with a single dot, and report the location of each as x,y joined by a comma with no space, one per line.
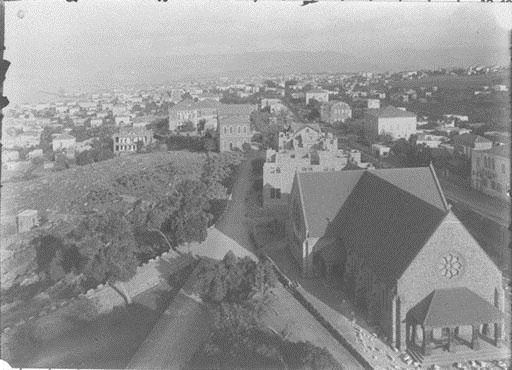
402,255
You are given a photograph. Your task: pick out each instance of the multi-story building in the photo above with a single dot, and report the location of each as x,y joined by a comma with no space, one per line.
317,153
300,136
464,145
63,142
234,132
123,120
397,123
321,96
335,111
189,110
131,139
403,257
490,171
275,105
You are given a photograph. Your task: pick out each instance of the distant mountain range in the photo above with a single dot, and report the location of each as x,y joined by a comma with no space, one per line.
270,62
147,69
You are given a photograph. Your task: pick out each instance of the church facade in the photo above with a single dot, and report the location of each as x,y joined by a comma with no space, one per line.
402,255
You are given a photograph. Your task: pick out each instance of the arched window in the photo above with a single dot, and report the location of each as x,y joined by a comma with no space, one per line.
245,129
239,130
231,130
225,130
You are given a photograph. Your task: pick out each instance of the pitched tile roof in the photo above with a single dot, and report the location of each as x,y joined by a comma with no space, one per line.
370,210
236,109
454,307
189,104
390,112
63,137
470,139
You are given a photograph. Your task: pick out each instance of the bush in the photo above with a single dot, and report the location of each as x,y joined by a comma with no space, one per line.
235,280
239,341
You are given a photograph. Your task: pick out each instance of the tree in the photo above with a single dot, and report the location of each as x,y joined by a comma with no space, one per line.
190,220
201,124
107,243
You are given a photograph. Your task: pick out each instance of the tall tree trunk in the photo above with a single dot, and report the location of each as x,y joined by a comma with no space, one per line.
164,237
126,298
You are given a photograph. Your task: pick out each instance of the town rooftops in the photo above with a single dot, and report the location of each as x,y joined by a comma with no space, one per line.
317,91
234,120
297,126
470,139
389,112
454,307
236,109
372,209
64,137
189,104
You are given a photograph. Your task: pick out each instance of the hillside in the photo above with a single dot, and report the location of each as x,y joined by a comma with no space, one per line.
71,190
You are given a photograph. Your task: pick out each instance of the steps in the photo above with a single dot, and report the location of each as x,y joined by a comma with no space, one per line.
462,354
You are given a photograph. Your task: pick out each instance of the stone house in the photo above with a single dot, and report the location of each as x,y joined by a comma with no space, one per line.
63,142
397,123
234,132
403,257
490,171
131,139
335,111
465,144
190,110
321,96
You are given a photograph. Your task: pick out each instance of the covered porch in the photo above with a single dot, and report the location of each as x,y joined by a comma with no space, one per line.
449,319
329,259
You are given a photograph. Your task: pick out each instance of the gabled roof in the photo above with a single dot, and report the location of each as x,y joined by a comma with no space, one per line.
296,126
390,112
470,139
234,120
323,194
387,214
189,104
317,91
454,307
64,137
236,109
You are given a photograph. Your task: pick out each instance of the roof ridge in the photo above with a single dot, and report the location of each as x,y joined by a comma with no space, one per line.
301,196
427,314
438,186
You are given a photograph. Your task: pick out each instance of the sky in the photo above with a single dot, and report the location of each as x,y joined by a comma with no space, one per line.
53,43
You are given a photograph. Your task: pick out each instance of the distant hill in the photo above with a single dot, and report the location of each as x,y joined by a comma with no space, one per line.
144,69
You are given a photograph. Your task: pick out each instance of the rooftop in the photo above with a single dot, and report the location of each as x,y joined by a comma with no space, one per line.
454,307
389,112
470,139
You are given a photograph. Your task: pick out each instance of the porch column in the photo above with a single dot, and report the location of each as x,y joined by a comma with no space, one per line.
485,329
474,338
427,334
413,336
498,328
451,344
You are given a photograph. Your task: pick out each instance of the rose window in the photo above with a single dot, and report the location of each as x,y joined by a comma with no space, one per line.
451,266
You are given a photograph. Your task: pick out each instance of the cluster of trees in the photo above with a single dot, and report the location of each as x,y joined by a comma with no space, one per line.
313,110
101,150
206,143
412,155
239,339
108,245
266,132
